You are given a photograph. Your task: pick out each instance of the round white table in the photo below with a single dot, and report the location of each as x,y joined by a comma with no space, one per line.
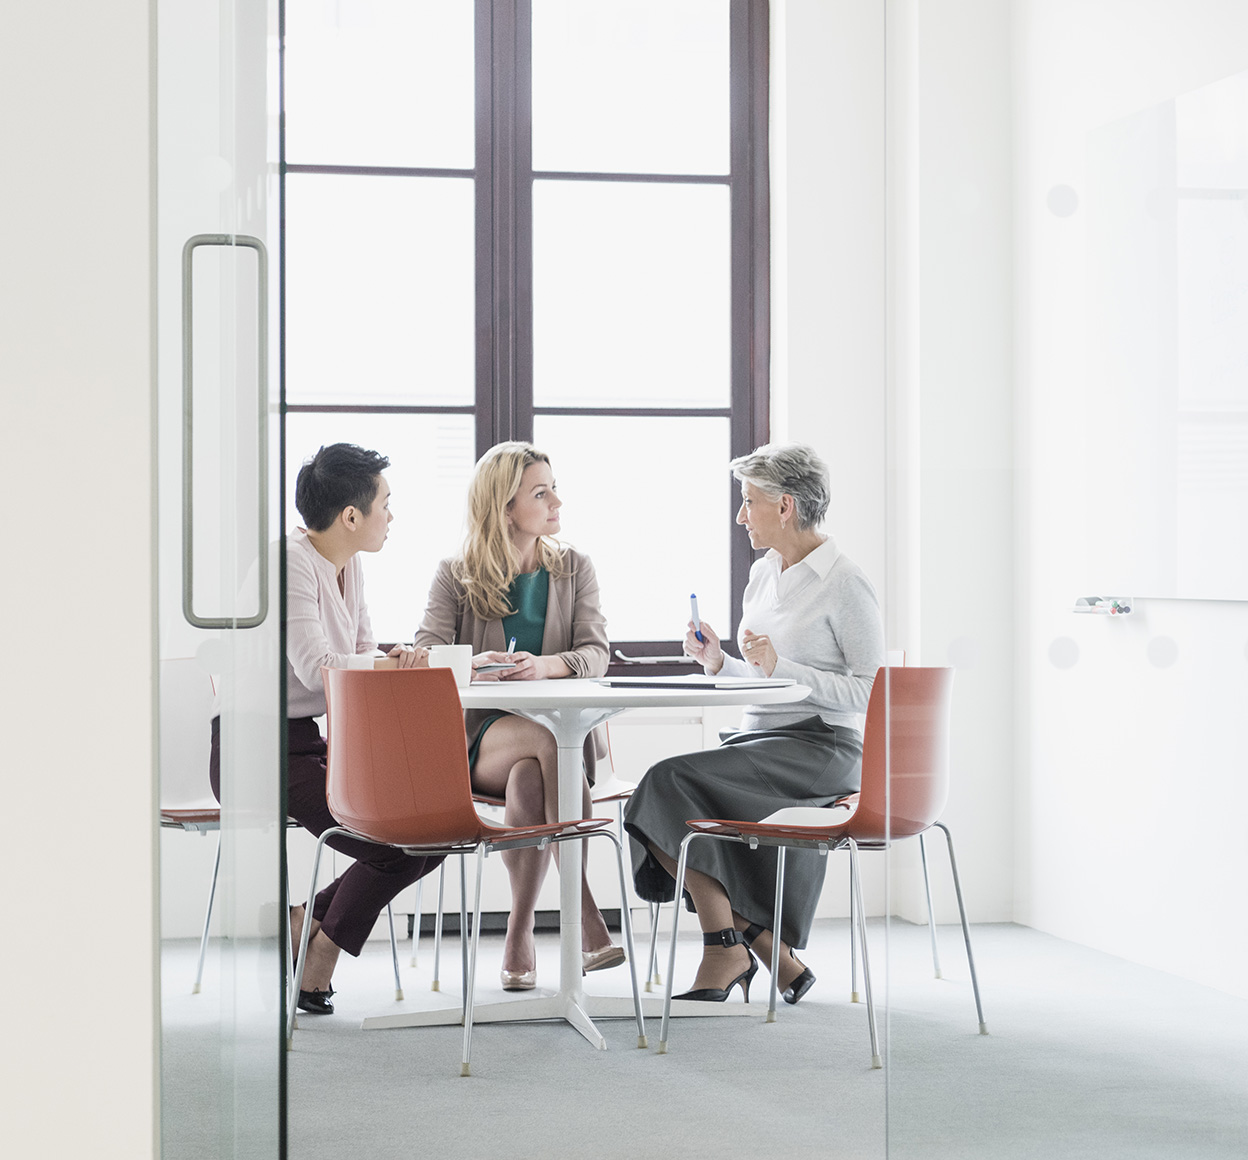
570,709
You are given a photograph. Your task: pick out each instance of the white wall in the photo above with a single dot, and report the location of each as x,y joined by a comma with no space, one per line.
1133,776
78,974
1074,785
966,474
828,267
829,370
927,515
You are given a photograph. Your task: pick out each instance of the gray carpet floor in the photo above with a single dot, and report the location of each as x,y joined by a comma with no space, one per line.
1087,1056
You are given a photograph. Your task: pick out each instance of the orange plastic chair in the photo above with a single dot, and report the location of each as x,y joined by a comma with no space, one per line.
613,790
905,784
186,700
398,776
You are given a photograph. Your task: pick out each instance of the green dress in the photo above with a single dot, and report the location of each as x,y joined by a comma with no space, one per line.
527,595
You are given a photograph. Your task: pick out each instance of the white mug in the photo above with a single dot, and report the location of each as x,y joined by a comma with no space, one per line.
457,658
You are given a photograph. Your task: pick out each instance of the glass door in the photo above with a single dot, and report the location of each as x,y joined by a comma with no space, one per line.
221,671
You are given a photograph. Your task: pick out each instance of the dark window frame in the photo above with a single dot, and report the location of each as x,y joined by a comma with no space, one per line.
503,175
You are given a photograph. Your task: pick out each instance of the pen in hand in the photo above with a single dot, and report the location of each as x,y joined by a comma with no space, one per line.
697,620
511,647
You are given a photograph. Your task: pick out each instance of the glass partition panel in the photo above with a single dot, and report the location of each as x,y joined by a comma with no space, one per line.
636,314
1081,283
222,1051
379,289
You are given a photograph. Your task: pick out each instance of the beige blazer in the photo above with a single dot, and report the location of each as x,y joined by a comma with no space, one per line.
576,630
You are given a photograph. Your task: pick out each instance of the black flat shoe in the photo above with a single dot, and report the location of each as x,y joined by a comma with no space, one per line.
316,1002
803,983
724,938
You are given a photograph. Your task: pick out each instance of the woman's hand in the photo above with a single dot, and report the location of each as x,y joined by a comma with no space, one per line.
757,649
490,658
534,668
706,651
404,656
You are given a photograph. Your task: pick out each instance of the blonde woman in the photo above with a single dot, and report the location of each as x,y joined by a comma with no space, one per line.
515,582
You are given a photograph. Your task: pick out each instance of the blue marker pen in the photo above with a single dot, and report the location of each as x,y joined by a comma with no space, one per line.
697,620
511,648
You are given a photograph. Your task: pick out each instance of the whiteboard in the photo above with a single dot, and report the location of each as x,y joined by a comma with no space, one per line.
1167,283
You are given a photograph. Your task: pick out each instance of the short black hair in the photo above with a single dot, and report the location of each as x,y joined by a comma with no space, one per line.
339,476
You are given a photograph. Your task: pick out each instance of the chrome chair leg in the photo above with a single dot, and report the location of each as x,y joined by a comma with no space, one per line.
436,985
203,939
420,888
472,958
626,921
966,930
931,913
652,967
302,958
463,923
394,954
775,934
682,862
876,1060
289,952
853,931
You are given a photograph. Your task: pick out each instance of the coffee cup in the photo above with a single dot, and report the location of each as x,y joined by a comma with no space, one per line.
457,658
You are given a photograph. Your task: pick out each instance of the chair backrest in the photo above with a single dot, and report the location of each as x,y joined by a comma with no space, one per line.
398,758
905,743
185,721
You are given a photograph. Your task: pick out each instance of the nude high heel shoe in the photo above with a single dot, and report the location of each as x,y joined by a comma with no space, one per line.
518,980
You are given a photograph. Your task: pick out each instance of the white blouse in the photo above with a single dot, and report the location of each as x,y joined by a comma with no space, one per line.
824,621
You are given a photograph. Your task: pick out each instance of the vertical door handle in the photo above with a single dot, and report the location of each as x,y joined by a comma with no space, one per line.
262,416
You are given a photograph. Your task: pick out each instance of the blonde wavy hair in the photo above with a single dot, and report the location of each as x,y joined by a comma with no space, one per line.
489,563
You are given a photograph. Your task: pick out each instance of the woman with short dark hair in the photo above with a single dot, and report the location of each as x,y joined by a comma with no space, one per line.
344,500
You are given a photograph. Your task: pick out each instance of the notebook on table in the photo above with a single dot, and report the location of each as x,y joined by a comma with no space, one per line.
696,681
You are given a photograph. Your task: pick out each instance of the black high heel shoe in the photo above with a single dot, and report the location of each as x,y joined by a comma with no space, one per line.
724,938
803,983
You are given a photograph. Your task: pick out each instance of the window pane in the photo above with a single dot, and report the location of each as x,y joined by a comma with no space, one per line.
379,290
647,498
379,82
631,298
431,460
630,88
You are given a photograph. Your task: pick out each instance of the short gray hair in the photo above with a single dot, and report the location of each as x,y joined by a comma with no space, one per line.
794,469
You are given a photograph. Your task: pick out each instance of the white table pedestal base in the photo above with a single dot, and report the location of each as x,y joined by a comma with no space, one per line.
552,1005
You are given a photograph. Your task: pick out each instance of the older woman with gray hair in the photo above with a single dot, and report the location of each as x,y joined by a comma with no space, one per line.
808,613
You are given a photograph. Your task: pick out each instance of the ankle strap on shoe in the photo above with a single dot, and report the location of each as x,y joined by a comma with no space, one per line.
723,938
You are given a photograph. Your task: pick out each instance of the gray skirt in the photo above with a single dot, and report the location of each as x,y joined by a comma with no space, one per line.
749,776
